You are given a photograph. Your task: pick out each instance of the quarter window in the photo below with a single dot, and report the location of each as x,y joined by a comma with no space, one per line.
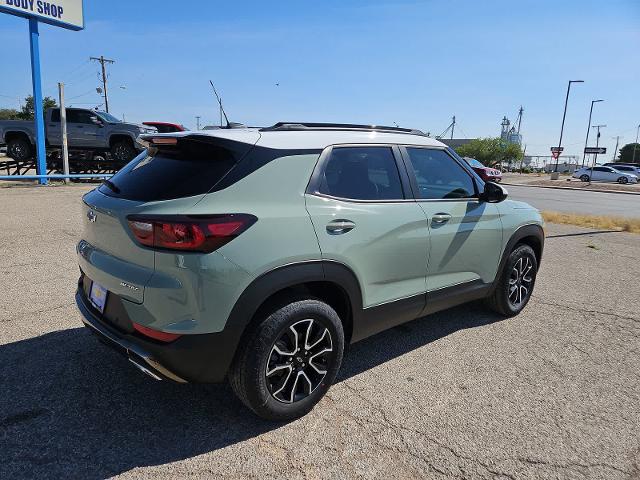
361,173
439,176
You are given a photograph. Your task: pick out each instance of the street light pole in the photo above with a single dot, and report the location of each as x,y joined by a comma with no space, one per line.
635,145
564,115
586,142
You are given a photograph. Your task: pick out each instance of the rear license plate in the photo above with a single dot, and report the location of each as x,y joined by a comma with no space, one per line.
98,296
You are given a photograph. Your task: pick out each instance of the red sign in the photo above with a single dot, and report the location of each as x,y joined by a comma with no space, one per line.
555,155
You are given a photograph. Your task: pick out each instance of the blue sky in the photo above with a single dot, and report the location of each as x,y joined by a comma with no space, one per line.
415,63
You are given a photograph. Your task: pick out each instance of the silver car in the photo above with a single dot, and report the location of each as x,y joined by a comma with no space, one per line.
604,174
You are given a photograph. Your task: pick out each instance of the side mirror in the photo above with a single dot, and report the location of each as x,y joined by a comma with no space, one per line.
493,193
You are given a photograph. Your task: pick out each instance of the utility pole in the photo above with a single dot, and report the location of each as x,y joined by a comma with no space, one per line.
595,155
197,122
63,125
102,61
615,151
520,112
635,145
564,116
453,126
584,155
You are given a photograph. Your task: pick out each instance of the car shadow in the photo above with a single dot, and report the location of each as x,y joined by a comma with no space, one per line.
71,408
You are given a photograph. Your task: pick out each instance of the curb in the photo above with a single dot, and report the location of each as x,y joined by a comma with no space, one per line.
570,188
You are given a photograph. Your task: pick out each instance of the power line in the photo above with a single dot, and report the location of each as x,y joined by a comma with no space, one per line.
81,95
102,61
70,73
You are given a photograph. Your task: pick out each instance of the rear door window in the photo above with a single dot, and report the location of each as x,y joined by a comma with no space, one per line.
361,173
78,116
191,167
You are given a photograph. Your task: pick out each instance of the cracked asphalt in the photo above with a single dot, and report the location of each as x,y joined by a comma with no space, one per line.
553,393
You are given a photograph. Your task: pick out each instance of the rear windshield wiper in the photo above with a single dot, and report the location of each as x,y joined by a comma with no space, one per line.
111,185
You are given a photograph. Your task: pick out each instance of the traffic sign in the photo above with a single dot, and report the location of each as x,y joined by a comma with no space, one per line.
597,150
555,154
557,149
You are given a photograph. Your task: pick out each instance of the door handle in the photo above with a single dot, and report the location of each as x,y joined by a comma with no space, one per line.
440,218
338,227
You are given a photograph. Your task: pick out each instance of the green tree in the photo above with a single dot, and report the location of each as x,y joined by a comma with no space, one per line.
491,151
9,114
27,112
626,153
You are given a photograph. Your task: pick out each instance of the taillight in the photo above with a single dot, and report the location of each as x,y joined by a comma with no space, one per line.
155,334
189,233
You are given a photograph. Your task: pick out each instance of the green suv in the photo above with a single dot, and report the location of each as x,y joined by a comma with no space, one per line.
257,255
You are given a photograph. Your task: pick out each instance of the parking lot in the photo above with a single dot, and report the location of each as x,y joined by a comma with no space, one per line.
552,393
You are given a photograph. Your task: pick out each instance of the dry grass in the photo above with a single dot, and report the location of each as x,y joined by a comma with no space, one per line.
601,222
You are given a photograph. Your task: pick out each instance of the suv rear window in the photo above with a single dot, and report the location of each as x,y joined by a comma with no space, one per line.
192,167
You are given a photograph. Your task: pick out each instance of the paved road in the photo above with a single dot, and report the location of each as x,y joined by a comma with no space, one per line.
572,201
552,393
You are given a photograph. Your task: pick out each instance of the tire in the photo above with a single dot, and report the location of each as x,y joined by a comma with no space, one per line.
262,374
504,300
623,180
123,151
584,178
19,149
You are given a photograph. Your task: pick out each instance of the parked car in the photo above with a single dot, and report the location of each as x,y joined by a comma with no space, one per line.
486,173
86,130
257,255
604,174
164,127
626,168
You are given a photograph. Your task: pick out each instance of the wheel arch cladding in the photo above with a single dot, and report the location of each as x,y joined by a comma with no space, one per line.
13,135
536,244
330,282
119,137
532,235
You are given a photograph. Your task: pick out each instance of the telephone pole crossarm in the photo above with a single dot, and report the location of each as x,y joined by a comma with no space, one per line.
102,61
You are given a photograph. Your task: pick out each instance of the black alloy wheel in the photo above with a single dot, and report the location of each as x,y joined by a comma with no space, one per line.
298,361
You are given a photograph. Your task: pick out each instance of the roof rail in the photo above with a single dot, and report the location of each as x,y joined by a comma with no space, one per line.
298,126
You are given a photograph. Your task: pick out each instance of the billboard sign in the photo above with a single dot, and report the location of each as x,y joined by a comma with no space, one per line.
61,13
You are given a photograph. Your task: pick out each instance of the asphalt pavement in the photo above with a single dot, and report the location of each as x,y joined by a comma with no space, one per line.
581,202
551,393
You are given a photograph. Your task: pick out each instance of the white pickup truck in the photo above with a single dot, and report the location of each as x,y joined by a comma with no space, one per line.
86,130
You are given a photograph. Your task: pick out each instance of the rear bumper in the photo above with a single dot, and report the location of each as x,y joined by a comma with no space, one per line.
189,359
136,354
